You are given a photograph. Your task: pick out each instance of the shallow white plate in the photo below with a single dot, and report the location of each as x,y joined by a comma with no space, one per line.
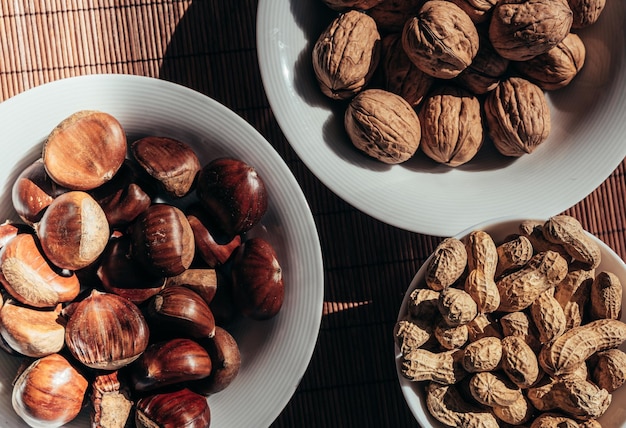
275,353
499,229
586,144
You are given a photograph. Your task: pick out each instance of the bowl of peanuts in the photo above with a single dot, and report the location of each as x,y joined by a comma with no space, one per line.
160,131
329,66
515,322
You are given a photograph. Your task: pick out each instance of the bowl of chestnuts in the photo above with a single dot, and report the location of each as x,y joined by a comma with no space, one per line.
158,266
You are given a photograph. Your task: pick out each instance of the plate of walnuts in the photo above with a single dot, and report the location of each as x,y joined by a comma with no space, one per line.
431,116
159,266
515,322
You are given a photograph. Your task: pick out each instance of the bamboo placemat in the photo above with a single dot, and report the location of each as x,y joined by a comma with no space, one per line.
210,46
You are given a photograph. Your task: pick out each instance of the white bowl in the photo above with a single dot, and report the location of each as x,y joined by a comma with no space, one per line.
499,229
275,353
586,143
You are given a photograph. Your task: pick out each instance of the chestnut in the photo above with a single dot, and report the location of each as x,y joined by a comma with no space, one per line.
172,163
201,280
258,288
33,191
106,331
73,230
111,402
180,408
234,193
85,150
170,362
162,240
225,359
49,392
30,278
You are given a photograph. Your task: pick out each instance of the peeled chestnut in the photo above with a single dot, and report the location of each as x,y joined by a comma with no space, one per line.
33,191
226,360
234,193
73,230
85,150
163,240
258,288
170,362
213,247
181,310
106,331
181,408
30,278
172,163
49,392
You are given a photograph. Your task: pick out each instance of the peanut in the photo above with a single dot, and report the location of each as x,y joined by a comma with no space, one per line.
481,253
519,324
443,367
423,303
533,230
576,345
482,288
412,334
447,264
519,361
482,326
606,296
451,337
573,293
516,413
446,405
568,232
610,369
513,254
456,306
482,355
578,398
493,390
549,420
548,317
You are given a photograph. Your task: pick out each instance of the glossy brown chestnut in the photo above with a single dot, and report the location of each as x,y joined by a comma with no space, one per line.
170,362
29,278
106,331
33,191
258,288
9,230
234,193
85,150
163,240
212,245
172,163
49,392
181,408
73,230
201,280
226,360
121,275
181,311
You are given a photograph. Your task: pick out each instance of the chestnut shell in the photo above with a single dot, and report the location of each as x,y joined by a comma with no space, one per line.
180,408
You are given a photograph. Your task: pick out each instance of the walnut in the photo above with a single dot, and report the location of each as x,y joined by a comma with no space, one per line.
383,125
400,75
518,116
346,54
478,10
522,29
441,40
557,67
390,15
485,72
586,12
343,5
452,129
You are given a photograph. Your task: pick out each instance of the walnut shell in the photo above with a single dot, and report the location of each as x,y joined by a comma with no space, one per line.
557,67
485,71
441,40
452,128
342,5
518,116
586,12
383,125
522,29
346,54
400,75
390,15
477,10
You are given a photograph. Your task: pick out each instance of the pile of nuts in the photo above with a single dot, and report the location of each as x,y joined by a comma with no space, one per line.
447,75
128,265
521,332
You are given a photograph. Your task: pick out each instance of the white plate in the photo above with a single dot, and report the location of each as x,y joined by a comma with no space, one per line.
275,353
586,143
499,229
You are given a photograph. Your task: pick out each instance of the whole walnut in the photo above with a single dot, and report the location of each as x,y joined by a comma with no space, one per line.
478,10
485,72
383,125
452,128
586,12
400,75
346,54
343,5
518,116
557,67
522,29
441,39
390,15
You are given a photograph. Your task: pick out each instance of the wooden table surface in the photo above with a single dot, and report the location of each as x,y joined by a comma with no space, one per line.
210,46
